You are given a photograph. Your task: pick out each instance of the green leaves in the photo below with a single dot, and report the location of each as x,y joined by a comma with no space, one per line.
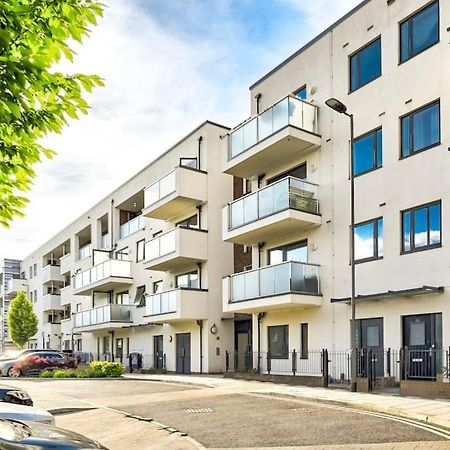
22,320
34,100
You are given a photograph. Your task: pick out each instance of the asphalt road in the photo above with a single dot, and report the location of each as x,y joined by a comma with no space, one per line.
227,418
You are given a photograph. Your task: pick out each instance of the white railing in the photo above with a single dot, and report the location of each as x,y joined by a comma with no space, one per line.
103,314
132,226
288,111
161,303
161,245
160,189
290,276
85,251
287,193
108,268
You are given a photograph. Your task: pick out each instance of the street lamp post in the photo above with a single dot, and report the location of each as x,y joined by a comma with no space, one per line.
339,107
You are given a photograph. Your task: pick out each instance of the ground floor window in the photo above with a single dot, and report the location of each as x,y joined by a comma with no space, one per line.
304,341
279,341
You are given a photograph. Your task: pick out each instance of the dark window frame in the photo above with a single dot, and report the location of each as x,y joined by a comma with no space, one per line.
375,237
142,301
375,150
285,249
191,272
286,173
304,345
300,89
283,355
413,249
410,32
156,283
411,114
137,251
181,223
354,54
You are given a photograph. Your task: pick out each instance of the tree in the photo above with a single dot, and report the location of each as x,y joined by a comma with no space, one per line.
35,99
22,320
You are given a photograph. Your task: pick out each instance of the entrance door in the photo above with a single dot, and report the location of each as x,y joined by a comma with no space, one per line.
183,343
371,332
243,344
158,352
422,339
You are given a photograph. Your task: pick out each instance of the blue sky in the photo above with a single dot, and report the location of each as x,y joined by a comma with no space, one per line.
168,66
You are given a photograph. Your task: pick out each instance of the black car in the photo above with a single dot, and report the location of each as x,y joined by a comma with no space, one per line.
16,435
11,394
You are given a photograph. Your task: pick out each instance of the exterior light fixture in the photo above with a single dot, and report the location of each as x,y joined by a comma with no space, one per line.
213,329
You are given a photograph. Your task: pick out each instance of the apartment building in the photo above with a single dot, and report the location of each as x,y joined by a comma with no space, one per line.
139,272
389,63
11,282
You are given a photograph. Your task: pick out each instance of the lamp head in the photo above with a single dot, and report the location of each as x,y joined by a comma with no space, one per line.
336,105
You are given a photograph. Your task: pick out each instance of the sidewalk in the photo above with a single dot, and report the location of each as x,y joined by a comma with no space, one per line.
435,412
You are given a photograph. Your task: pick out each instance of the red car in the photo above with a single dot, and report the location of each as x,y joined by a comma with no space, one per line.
34,363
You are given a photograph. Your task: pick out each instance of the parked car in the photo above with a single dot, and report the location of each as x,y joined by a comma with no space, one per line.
35,436
31,363
9,394
25,413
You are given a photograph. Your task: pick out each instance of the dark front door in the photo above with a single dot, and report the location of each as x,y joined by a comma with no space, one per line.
422,342
371,333
158,352
243,344
183,343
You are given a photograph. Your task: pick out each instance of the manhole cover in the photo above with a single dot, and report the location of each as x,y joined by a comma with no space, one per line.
199,410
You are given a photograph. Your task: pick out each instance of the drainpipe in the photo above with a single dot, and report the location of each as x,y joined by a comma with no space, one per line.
200,139
112,345
199,265
199,207
260,178
260,317
111,231
260,247
200,324
258,98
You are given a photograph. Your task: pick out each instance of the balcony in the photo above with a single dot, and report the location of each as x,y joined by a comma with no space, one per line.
51,301
175,249
103,318
275,137
177,305
278,287
66,294
106,276
51,273
132,226
52,329
15,285
66,263
287,206
182,188
85,251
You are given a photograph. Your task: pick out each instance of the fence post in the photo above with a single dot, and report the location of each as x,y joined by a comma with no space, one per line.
402,364
369,364
130,362
227,361
269,363
164,361
388,362
325,367
294,362
139,361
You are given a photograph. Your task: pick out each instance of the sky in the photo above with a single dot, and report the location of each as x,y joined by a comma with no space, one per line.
168,66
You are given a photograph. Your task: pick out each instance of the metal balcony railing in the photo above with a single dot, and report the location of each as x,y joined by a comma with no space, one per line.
103,314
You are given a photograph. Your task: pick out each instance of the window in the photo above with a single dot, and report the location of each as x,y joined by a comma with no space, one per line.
365,65
78,307
369,240
140,250
368,152
247,248
421,129
301,93
122,254
35,269
190,222
247,268
247,186
157,287
189,162
31,271
279,341
292,252
419,32
31,297
123,298
296,172
421,227
35,296
187,280
119,347
139,299
304,341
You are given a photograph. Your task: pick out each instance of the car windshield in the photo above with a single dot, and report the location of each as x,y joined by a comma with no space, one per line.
11,431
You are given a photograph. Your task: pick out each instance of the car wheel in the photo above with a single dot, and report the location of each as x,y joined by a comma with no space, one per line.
13,372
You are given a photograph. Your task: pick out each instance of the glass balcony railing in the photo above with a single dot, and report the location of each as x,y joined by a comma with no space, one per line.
103,314
288,111
132,226
161,245
161,303
160,189
85,251
287,193
108,268
291,276
105,241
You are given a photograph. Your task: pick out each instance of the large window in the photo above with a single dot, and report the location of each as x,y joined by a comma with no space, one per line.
419,32
421,129
369,240
187,280
190,222
292,252
279,341
365,65
368,152
421,227
140,250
